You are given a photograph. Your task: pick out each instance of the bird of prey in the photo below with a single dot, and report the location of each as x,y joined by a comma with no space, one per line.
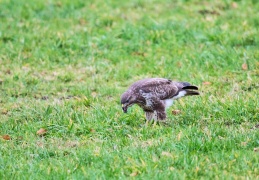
154,95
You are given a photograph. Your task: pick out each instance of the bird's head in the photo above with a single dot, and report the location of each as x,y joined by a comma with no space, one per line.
127,100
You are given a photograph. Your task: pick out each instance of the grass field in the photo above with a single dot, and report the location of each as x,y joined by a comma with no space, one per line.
64,65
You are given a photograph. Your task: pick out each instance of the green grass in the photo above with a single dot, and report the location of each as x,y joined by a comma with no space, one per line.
64,65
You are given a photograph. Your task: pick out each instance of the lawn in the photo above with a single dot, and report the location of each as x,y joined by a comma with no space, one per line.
64,65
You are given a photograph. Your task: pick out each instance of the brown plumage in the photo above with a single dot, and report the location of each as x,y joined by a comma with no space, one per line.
154,95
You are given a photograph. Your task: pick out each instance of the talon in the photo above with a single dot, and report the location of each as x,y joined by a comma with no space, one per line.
154,123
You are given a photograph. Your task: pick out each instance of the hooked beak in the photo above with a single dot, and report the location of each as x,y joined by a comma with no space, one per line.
125,108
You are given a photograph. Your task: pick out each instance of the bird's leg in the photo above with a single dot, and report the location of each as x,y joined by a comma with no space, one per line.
160,116
149,117
146,124
164,123
155,118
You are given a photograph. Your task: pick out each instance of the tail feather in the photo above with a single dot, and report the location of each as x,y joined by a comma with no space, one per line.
186,85
191,93
191,87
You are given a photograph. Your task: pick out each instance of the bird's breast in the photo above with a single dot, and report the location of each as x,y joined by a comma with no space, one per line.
144,106
168,102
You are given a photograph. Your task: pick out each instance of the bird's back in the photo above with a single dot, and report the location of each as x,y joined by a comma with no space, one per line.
163,88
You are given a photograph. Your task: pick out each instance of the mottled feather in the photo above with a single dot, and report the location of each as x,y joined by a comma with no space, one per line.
153,95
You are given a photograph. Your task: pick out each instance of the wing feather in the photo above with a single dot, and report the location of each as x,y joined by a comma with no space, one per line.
163,88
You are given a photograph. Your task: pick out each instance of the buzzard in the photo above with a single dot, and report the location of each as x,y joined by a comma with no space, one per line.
154,95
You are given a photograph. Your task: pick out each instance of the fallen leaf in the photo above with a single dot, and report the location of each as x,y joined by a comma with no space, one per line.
243,143
148,43
82,21
155,158
179,136
19,138
26,68
6,137
92,130
220,137
244,66
206,83
4,111
41,132
209,18
72,144
8,71
94,94
40,144
256,149
234,5
168,154
176,112
172,168
205,11
44,98
134,174
179,64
